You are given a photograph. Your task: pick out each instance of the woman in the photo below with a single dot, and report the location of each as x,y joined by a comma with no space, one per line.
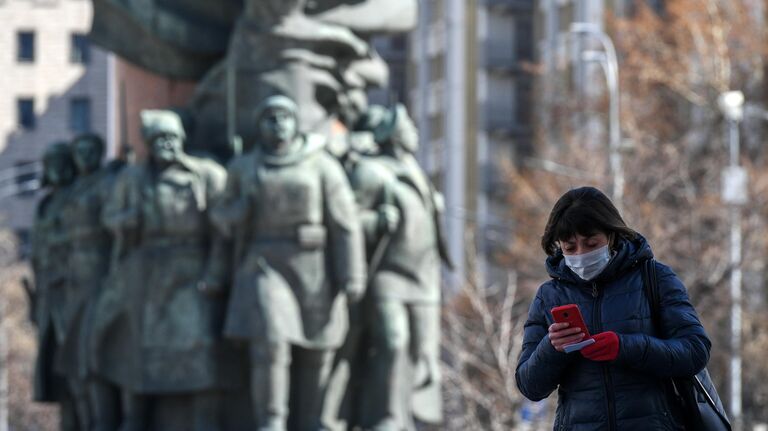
617,383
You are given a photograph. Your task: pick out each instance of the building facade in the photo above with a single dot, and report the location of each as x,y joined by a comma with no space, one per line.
55,85
472,69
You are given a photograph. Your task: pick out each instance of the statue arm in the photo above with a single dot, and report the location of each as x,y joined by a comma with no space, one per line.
232,206
345,236
220,254
121,215
120,212
369,220
375,200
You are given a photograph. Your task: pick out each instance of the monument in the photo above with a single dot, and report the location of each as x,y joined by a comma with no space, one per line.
235,300
400,212
300,259
160,208
50,270
89,245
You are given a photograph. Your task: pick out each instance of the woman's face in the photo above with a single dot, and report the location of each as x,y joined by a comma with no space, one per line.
579,244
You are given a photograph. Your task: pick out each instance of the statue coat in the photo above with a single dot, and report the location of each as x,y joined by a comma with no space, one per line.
300,244
49,267
88,263
167,246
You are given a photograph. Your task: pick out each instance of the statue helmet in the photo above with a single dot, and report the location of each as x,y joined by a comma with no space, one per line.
277,101
155,122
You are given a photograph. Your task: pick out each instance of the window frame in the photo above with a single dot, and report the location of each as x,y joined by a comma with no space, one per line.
20,51
79,48
21,123
73,121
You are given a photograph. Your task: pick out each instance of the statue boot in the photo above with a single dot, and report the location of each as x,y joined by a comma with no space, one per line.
68,415
135,408
270,385
82,410
207,411
311,375
272,380
105,405
386,403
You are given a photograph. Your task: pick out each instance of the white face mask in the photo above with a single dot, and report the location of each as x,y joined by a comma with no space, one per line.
589,265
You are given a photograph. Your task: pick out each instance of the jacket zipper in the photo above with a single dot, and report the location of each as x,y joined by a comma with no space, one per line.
607,380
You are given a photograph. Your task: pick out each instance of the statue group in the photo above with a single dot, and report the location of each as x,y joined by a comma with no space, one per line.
292,290
296,289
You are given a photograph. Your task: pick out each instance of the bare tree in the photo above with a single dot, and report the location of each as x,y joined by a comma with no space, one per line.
673,67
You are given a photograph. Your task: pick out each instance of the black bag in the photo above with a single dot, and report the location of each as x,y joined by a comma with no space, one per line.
696,396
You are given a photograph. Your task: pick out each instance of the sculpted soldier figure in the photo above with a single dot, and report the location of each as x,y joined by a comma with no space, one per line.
90,244
50,266
399,213
160,209
299,258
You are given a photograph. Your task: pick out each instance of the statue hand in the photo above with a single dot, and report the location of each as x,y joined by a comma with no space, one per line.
354,291
389,218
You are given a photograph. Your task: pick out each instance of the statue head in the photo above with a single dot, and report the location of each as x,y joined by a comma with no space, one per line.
87,152
392,128
278,122
164,135
58,165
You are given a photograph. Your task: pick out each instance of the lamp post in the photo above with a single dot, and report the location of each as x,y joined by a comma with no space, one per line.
610,65
735,195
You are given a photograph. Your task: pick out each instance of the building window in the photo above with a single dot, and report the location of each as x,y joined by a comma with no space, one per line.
523,36
26,113
80,115
25,46
80,51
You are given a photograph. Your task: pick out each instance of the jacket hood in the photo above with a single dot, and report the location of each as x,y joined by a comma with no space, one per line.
628,254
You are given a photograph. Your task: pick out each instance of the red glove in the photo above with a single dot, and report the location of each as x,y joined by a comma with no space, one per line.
606,347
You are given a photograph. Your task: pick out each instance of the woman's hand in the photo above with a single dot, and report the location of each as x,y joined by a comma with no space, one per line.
560,335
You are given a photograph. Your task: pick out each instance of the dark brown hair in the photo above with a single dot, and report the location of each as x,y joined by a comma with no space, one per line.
584,211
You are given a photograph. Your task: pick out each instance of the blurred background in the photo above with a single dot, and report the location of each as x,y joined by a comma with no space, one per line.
662,104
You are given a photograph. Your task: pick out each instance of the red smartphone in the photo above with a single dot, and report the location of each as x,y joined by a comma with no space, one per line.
571,314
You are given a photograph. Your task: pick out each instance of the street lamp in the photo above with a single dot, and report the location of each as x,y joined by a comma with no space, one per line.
731,104
610,65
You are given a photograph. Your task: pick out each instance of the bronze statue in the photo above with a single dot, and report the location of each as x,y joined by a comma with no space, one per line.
88,262
298,260
160,210
400,213
50,267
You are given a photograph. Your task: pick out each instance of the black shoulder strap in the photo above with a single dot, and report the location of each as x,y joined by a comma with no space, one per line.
651,286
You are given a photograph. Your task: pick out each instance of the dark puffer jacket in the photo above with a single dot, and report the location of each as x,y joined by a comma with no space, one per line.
626,394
